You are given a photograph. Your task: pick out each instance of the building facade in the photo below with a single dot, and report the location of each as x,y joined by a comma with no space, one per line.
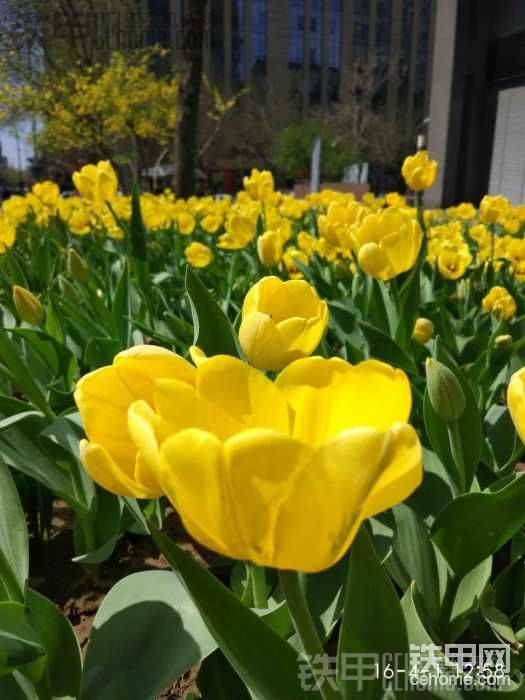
477,109
298,55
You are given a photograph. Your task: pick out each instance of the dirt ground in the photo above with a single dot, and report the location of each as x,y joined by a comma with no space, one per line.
79,595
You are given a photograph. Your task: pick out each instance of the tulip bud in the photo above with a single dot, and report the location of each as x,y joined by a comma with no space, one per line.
503,342
67,290
269,248
372,259
77,266
423,330
445,392
27,306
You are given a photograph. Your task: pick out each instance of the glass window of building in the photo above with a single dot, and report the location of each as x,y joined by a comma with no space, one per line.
238,41
334,49
360,34
296,33
316,33
217,40
259,35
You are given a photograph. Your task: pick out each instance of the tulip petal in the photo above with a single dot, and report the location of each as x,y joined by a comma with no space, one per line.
142,421
261,465
301,336
403,471
349,401
104,470
314,372
139,366
259,296
181,406
192,477
293,298
243,392
516,401
261,341
103,400
334,485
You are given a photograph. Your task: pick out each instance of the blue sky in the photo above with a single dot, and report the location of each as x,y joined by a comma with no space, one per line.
9,145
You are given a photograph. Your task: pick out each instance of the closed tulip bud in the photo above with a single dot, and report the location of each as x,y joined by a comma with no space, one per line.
27,306
77,266
281,322
423,330
445,392
503,342
270,248
67,290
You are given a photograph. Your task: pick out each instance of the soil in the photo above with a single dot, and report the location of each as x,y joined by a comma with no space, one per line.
79,595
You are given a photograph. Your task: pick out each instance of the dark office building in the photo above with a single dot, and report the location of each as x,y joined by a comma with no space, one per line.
477,108
297,55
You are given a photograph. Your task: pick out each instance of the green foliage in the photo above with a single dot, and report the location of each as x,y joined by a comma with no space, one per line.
292,150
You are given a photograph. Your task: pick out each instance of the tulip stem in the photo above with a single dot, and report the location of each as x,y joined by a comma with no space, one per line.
456,448
258,581
292,587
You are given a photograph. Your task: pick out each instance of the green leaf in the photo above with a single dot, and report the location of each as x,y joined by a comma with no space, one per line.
468,595
19,643
469,426
63,667
14,552
101,351
366,628
121,309
158,631
11,358
267,664
325,596
476,525
213,332
16,687
413,546
497,620
383,347
218,681
21,449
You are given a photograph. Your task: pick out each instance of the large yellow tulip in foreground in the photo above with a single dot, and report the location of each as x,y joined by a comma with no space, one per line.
278,473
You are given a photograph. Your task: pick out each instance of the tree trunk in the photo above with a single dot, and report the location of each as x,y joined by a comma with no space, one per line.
186,140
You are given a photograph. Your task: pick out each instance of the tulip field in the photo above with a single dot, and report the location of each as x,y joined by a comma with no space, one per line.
305,415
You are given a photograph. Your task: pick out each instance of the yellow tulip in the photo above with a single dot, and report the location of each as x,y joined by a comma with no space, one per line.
516,401
47,192
239,232
211,223
186,223
270,248
492,208
27,306
452,263
281,322
105,397
246,468
198,254
419,171
499,303
7,234
259,185
98,183
423,330
387,243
